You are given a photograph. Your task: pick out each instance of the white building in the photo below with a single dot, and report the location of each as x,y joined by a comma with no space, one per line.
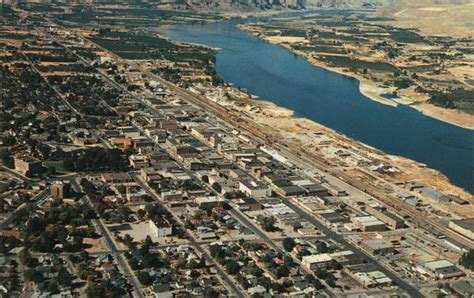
314,262
162,228
254,189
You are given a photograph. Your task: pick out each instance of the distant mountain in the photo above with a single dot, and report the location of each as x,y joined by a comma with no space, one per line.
270,4
229,5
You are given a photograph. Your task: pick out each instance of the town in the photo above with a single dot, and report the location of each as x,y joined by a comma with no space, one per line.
127,176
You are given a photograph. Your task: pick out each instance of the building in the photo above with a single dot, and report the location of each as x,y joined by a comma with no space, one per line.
378,247
372,279
116,178
122,143
28,165
172,195
465,288
135,193
393,221
249,204
60,190
347,258
442,269
368,224
313,262
209,202
205,233
149,174
139,161
161,227
465,227
254,188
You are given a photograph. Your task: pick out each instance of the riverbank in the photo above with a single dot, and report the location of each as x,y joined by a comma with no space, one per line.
333,101
316,139
369,88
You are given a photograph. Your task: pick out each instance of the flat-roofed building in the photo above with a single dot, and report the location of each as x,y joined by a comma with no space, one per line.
378,247
116,178
393,221
172,195
209,202
28,165
464,227
442,269
161,227
368,223
372,279
60,189
347,257
254,188
314,262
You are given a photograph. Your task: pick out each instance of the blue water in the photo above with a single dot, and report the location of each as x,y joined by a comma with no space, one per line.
389,96
277,75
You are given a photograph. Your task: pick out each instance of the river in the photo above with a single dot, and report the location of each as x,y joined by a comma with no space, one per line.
275,74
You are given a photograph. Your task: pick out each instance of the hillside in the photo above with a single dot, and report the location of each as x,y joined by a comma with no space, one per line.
453,18
228,5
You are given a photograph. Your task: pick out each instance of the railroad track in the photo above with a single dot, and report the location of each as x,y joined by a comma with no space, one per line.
256,131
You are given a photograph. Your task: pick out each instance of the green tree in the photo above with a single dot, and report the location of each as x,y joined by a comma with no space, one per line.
288,243
94,290
51,171
282,271
64,277
267,222
467,260
232,267
145,278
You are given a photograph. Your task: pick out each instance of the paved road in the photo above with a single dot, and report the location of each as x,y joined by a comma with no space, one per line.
18,175
199,102
412,291
104,231
229,283
28,206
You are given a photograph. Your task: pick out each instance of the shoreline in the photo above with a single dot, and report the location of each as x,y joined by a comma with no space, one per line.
374,92
282,123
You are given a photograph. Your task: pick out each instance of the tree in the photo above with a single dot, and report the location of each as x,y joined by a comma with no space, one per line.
121,189
322,247
288,243
267,222
84,255
331,282
282,271
141,213
313,281
128,240
145,278
217,187
232,267
95,290
217,252
64,277
467,260
210,292
51,171
32,275
265,282
194,274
